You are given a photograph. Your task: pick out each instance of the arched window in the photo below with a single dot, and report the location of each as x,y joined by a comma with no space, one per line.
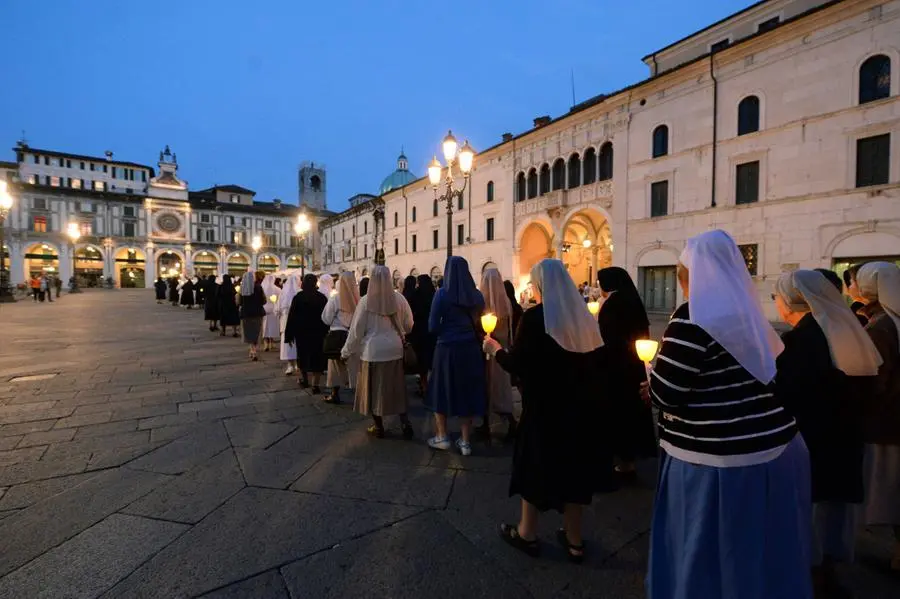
875,79
590,166
544,179
605,172
660,141
434,210
520,187
559,174
574,171
748,115
532,184
315,183
490,191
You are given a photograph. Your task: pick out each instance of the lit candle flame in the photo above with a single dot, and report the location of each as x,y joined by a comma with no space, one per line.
273,298
646,349
489,322
593,308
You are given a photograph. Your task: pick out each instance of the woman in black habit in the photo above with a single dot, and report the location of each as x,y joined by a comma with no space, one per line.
623,320
200,291
516,307
173,291
423,341
561,457
229,316
160,287
187,294
211,302
306,331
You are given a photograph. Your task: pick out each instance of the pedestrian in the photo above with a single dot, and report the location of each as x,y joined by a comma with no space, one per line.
422,340
499,384
187,294
271,330
326,285
338,315
825,374
623,320
517,310
159,287
253,310
35,287
877,285
363,286
306,331
733,510
229,316
211,302
456,386
48,280
58,283
200,291
381,321
288,351
42,287
559,448
173,291
409,289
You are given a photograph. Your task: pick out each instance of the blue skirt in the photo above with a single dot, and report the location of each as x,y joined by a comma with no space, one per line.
732,533
457,384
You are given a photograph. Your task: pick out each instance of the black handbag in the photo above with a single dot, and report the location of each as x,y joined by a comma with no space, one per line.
334,342
410,359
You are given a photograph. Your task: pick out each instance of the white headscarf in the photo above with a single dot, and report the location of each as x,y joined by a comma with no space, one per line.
566,317
326,284
880,281
495,299
247,283
724,303
348,292
380,297
269,287
852,350
287,294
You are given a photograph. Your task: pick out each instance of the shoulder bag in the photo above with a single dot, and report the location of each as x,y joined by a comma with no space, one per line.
334,341
410,359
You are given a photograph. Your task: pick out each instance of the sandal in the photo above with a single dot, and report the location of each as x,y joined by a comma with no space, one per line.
510,534
578,556
376,431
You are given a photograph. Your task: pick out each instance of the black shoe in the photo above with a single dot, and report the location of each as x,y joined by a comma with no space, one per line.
408,432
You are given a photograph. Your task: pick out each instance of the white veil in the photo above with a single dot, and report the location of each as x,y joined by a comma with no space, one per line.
880,281
326,284
566,317
287,293
724,303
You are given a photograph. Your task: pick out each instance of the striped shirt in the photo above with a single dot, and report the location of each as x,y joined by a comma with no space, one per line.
712,411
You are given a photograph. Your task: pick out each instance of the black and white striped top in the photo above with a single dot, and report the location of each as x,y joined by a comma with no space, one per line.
712,411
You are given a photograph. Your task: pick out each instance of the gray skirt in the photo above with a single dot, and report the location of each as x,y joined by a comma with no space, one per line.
381,389
251,329
882,477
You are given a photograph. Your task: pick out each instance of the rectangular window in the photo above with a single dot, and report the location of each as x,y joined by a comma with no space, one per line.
768,24
47,179
86,229
204,218
33,180
128,229
210,235
245,222
395,219
267,224
720,45
92,166
99,186
396,246
128,211
747,183
460,234
353,231
414,243
237,237
750,252
39,224
37,159
68,164
113,172
365,250
234,198
76,183
46,160
231,220
659,198
365,227
39,204
489,233
104,168
460,203
434,239
873,160
82,165
54,181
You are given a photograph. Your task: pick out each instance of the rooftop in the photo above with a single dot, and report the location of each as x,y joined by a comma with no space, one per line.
100,159
228,189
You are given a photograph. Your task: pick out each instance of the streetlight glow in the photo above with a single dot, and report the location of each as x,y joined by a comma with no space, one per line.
434,172
6,200
586,243
449,146
73,232
302,226
256,244
466,158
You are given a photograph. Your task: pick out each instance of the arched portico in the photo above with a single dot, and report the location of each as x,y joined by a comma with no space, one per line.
205,263
89,261
169,263
237,263
130,268
41,259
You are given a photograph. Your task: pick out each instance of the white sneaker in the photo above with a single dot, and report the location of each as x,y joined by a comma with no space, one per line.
465,448
442,443
289,371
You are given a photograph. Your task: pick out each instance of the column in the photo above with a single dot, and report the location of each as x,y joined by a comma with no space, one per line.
188,261
149,267
594,251
65,263
16,262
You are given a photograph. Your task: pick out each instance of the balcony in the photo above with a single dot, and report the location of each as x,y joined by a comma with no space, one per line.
601,192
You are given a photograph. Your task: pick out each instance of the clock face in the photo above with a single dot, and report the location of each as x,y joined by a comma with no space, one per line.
168,223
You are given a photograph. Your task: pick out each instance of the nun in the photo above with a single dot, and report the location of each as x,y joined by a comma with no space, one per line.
456,386
199,290
160,287
187,294
381,321
306,331
228,309
499,384
211,302
287,351
623,320
733,509
253,311
326,285
271,331
877,285
422,340
824,375
558,354
173,291
338,315
363,286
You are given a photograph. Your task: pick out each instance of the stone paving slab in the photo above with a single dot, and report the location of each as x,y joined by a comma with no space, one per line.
269,585
26,494
185,453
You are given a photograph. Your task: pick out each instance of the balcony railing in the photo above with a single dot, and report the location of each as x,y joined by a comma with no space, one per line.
600,191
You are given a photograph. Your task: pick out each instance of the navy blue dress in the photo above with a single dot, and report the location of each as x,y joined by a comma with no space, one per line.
457,386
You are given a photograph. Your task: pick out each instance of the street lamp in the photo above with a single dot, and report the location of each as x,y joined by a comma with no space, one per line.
301,228
74,234
256,244
464,157
6,203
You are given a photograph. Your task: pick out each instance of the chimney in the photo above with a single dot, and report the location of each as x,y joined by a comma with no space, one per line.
109,155
277,203
507,137
541,121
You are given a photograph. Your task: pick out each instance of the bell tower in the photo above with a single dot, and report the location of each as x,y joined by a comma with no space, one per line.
311,184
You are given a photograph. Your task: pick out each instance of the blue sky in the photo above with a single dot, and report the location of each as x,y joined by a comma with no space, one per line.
244,91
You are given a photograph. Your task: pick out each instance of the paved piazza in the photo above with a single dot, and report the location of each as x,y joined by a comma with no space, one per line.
142,456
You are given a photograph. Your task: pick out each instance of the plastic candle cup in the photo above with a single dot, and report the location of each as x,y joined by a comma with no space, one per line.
273,298
489,323
593,308
646,351
237,288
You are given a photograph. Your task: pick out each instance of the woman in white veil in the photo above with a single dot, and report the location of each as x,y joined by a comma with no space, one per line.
326,284
271,325
288,352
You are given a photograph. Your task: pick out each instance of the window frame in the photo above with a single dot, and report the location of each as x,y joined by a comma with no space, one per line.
668,146
855,164
651,183
893,85
489,229
737,182
759,113
489,192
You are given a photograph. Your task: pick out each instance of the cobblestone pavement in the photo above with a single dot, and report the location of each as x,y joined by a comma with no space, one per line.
143,456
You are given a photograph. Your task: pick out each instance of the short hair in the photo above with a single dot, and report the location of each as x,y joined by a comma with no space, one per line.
832,277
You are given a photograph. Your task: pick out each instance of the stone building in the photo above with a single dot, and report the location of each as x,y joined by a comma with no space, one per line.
779,124
137,223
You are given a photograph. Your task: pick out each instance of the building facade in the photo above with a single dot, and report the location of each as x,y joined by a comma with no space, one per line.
779,124
137,223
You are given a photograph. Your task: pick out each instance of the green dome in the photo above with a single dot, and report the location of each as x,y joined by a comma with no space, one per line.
400,177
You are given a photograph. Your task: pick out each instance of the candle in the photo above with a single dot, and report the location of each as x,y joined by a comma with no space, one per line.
646,351
237,288
488,323
593,308
273,298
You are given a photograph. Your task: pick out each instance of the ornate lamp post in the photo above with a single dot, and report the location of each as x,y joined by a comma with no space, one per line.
6,203
453,155
301,228
74,234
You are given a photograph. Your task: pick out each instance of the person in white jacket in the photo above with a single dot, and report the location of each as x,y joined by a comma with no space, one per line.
382,319
282,308
338,315
271,323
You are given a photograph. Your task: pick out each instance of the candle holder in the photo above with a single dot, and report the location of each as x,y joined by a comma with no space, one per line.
489,323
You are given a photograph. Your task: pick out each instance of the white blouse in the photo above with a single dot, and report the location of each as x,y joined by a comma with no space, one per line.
374,336
334,317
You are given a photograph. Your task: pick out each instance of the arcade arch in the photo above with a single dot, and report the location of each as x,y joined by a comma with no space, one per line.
129,269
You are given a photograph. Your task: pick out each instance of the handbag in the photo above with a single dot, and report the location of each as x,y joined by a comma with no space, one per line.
410,359
334,342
